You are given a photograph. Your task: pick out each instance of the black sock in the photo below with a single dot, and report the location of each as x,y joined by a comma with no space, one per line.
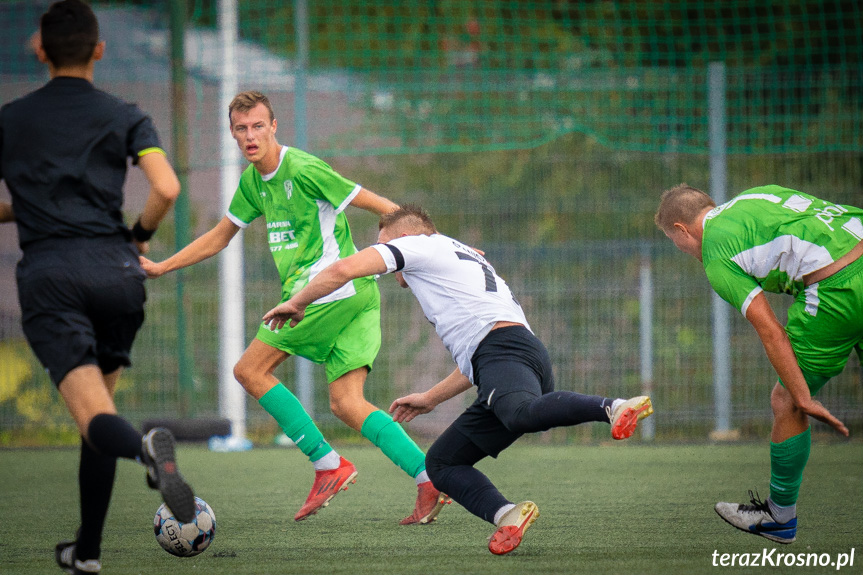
113,436
95,482
471,489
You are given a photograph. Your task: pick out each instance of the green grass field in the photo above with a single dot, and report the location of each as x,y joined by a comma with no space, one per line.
604,509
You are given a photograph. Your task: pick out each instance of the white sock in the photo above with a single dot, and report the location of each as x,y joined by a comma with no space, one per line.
422,477
329,461
502,511
782,514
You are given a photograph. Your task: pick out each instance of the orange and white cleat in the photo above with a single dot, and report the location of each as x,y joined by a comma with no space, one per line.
512,526
327,485
625,418
429,503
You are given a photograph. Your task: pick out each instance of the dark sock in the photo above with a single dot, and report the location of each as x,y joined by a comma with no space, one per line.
113,436
471,489
95,482
525,413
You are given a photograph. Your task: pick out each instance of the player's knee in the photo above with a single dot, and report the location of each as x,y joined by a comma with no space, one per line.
349,409
781,402
513,411
239,372
243,373
339,407
436,463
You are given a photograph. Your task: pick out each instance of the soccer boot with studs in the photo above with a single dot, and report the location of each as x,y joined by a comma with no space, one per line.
511,527
429,503
327,485
625,418
755,518
162,473
64,554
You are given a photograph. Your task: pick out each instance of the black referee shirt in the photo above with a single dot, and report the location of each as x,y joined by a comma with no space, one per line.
63,154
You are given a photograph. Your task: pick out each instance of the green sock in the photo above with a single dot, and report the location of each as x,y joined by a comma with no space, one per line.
787,460
390,437
288,412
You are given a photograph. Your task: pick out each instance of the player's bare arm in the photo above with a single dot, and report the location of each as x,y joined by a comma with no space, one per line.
784,361
368,262
406,408
371,202
6,213
202,248
164,189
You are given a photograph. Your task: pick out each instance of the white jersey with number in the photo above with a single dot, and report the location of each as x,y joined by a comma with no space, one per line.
459,291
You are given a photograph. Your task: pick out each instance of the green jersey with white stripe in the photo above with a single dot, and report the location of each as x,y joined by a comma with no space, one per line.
303,203
769,237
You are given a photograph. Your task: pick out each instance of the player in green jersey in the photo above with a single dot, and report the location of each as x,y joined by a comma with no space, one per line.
303,201
779,240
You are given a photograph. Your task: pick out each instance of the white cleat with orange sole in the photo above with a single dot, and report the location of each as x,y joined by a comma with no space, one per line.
627,415
513,524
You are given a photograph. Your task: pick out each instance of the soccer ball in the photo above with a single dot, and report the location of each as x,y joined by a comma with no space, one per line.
185,539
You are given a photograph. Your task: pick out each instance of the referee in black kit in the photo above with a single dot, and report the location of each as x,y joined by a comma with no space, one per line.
63,155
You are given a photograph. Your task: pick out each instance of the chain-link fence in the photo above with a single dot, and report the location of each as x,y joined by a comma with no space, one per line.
540,131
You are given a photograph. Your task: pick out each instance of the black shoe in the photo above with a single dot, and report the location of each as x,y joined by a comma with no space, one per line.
64,553
162,474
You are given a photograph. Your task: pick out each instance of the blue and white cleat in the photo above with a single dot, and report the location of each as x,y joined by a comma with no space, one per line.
755,518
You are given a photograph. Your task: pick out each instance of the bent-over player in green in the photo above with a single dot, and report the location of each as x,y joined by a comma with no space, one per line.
303,201
779,240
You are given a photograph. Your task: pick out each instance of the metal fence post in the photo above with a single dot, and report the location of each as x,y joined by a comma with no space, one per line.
648,426
232,321
302,366
721,316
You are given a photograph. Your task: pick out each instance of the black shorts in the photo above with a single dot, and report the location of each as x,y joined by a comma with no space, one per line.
508,360
82,302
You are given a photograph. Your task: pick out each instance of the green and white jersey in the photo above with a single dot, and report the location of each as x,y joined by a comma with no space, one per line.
769,237
303,203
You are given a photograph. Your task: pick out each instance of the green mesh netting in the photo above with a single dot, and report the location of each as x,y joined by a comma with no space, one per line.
459,75
468,74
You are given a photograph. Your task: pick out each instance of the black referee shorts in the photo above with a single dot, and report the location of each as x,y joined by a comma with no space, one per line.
82,302
509,363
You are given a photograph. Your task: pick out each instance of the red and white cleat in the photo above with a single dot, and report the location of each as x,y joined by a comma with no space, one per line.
326,486
429,503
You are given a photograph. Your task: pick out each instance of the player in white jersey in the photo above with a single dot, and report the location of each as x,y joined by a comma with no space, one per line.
485,329
780,240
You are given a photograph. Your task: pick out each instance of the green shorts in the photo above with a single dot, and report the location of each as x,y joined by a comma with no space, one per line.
825,323
343,335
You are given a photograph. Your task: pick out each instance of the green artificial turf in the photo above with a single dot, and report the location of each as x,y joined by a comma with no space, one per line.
604,510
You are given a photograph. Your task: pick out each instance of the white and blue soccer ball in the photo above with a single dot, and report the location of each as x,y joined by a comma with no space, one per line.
185,539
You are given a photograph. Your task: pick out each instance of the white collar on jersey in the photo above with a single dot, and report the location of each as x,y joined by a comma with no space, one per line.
271,175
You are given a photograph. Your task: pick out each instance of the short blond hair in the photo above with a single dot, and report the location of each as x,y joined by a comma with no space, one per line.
681,204
409,217
245,101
